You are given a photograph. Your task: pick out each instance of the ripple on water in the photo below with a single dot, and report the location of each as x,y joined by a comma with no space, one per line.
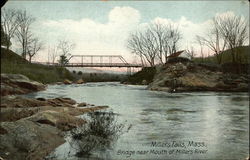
219,119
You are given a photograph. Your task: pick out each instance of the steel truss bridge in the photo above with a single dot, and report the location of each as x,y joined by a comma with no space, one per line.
95,61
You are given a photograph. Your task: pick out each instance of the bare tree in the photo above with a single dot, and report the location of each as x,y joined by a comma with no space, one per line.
234,30
134,44
143,45
190,52
173,38
157,41
33,47
200,41
9,24
23,33
158,31
214,41
53,53
65,47
167,37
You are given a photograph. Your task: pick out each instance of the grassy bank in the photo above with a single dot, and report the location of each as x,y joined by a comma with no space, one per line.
14,64
242,56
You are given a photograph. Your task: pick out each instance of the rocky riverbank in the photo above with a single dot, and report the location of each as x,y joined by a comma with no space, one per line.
189,76
32,128
19,84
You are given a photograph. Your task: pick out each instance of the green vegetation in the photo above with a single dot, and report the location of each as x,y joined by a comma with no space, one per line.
15,64
146,73
242,56
99,77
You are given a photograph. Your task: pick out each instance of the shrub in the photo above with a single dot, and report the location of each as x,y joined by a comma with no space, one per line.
79,73
101,130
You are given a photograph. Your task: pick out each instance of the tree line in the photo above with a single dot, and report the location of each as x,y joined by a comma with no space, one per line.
17,24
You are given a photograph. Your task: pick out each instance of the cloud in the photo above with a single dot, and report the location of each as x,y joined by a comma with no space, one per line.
93,37
124,15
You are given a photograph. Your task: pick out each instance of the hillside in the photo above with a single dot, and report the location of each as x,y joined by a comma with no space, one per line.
15,64
243,54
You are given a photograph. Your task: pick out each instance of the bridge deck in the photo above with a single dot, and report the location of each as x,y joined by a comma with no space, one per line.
127,65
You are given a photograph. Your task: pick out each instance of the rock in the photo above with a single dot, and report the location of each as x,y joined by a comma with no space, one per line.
28,140
14,114
80,81
41,99
144,82
18,84
66,81
21,102
14,108
66,102
62,121
192,77
83,104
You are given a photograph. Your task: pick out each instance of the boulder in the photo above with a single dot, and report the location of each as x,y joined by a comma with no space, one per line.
144,82
62,121
21,102
80,81
83,104
66,81
18,84
28,140
14,114
66,102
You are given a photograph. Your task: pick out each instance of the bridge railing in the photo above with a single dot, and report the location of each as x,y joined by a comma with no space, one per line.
91,64
102,65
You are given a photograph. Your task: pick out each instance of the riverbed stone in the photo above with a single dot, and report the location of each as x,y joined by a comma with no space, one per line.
28,140
144,82
18,84
66,81
80,81
62,121
83,104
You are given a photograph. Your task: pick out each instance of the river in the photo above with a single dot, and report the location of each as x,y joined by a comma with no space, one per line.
200,125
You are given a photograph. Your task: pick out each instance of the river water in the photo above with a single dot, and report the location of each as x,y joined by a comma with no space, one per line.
200,125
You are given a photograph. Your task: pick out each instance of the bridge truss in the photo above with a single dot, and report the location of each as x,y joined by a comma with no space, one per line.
97,61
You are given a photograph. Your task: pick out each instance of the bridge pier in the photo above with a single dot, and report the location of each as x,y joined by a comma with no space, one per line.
129,71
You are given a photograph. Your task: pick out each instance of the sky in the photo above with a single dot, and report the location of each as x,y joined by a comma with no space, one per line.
103,27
